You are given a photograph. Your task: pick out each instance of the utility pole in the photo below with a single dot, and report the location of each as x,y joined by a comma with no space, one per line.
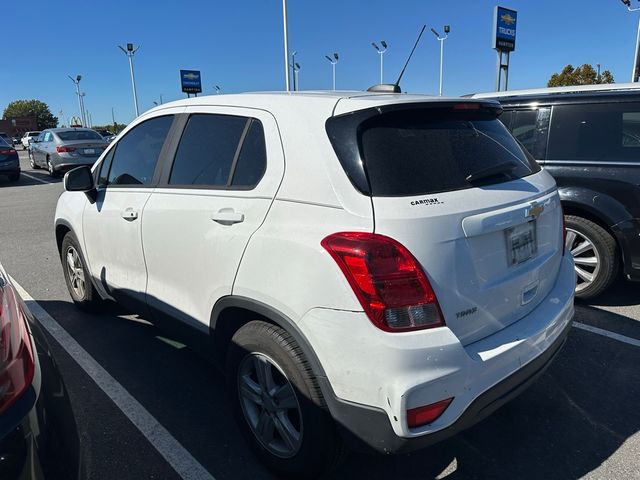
447,29
333,61
381,53
113,118
285,29
129,52
85,118
76,81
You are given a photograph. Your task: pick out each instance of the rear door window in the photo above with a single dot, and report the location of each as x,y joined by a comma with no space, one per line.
530,128
136,154
422,151
605,132
220,151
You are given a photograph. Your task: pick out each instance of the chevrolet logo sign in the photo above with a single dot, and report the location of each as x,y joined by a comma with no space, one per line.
191,76
534,210
508,19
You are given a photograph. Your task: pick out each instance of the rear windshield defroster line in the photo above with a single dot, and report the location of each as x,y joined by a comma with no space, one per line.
423,150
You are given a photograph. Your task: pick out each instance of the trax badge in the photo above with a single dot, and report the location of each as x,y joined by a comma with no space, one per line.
534,210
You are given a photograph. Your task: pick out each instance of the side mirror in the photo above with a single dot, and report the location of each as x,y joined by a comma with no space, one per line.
78,180
81,180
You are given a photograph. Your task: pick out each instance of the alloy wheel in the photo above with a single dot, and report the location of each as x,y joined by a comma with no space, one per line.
76,272
270,405
586,258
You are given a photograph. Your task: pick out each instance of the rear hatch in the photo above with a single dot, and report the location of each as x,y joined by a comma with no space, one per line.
452,185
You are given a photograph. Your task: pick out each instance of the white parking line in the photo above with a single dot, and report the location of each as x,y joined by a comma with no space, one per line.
36,178
606,333
167,446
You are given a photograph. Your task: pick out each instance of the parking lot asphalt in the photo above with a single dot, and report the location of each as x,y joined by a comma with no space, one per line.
579,420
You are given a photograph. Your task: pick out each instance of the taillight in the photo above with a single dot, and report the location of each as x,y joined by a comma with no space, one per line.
16,355
65,149
387,280
417,417
8,152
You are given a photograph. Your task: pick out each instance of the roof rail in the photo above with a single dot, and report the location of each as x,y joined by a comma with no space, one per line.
553,90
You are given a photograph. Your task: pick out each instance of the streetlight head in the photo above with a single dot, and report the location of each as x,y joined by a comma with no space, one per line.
335,55
373,44
297,66
435,33
627,2
384,44
328,58
78,78
447,29
129,47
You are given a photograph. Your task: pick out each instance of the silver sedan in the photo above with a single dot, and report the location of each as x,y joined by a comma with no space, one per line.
61,149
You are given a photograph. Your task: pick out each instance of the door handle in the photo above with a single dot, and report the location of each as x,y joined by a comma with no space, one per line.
227,216
129,214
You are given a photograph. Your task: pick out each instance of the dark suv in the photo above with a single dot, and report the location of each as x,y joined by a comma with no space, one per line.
588,138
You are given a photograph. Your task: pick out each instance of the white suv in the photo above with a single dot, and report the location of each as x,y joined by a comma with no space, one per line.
371,270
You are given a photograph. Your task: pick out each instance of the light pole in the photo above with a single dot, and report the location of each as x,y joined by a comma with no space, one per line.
447,29
76,81
285,30
381,53
217,89
333,61
635,73
129,52
85,117
293,67
296,69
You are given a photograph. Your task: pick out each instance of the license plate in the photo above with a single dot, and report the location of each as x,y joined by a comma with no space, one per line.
89,151
521,242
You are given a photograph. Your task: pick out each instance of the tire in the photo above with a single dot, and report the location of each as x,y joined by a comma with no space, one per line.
14,177
595,254
314,447
32,162
77,277
50,168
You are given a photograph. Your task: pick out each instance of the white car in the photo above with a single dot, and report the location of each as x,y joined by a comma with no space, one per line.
372,270
27,138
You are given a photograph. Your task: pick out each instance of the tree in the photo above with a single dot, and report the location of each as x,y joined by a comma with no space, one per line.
31,108
584,75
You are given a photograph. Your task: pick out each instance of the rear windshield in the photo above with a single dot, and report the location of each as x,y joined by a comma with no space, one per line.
79,135
33,134
423,151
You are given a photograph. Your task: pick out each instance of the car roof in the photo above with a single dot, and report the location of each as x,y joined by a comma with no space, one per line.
281,101
621,88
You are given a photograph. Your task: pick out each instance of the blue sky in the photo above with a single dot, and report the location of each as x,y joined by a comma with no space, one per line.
238,45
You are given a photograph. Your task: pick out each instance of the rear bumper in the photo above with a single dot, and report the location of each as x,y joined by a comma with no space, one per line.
369,430
66,166
628,235
9,169
373,378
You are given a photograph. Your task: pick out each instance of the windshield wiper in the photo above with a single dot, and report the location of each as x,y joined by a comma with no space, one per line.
499,169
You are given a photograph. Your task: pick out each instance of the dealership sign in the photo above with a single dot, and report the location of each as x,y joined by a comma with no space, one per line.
504,29
190,80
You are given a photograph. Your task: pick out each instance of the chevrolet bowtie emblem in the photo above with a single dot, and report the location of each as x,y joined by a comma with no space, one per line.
534,210
508,19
